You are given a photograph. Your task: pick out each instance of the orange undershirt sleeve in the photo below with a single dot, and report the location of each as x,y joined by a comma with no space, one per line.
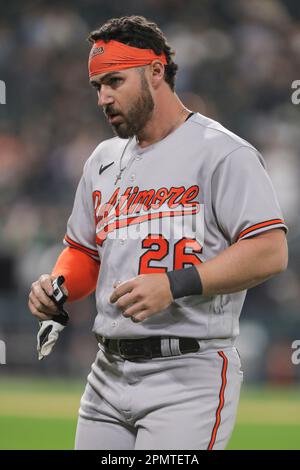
80,272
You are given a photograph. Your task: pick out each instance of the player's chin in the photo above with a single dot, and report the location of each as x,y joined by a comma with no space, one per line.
122,131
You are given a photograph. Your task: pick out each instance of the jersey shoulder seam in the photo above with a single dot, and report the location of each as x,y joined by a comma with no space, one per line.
246,144
224,157
238,148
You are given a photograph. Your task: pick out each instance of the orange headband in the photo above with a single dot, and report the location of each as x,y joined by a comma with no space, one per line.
113,55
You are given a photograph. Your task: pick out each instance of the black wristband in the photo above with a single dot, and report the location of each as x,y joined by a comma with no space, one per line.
184,282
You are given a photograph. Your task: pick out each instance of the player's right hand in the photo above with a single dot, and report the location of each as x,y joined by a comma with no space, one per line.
39,302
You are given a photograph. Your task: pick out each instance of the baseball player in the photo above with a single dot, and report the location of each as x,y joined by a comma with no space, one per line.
173,220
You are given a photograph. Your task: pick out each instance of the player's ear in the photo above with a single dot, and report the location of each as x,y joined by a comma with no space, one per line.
156,73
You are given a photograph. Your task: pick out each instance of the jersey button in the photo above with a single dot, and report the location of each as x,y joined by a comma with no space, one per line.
114,323
122,241
132,177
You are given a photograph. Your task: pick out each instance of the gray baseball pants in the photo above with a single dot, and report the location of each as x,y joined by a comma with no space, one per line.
179,402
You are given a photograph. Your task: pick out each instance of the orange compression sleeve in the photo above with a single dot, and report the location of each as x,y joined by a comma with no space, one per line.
80,272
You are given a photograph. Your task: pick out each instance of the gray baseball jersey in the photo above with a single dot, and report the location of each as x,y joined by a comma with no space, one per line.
180,201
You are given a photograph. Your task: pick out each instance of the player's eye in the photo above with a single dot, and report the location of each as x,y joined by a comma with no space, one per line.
96,85
114,81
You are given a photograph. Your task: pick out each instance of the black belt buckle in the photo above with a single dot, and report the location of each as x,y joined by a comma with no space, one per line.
135,349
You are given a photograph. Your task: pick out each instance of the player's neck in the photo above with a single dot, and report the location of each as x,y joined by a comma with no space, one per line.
169,113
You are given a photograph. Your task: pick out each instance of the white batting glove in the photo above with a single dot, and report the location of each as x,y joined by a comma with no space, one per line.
47,337
50,329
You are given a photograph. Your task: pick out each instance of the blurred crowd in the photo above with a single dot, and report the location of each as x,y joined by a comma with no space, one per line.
237,61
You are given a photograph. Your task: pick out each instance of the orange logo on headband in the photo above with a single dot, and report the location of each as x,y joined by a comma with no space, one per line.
114,55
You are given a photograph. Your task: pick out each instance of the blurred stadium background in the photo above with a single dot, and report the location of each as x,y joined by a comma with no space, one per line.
237,60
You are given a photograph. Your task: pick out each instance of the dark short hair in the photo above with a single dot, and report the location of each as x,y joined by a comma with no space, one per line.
137,31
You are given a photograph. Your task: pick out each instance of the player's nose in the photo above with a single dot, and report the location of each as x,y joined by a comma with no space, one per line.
104,97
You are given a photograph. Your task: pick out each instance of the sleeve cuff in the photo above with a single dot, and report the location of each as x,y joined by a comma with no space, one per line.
88,251
262,227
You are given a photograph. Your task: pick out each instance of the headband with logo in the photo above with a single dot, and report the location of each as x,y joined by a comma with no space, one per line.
114,55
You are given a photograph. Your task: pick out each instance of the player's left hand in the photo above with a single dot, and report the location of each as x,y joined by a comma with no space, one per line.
143,296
